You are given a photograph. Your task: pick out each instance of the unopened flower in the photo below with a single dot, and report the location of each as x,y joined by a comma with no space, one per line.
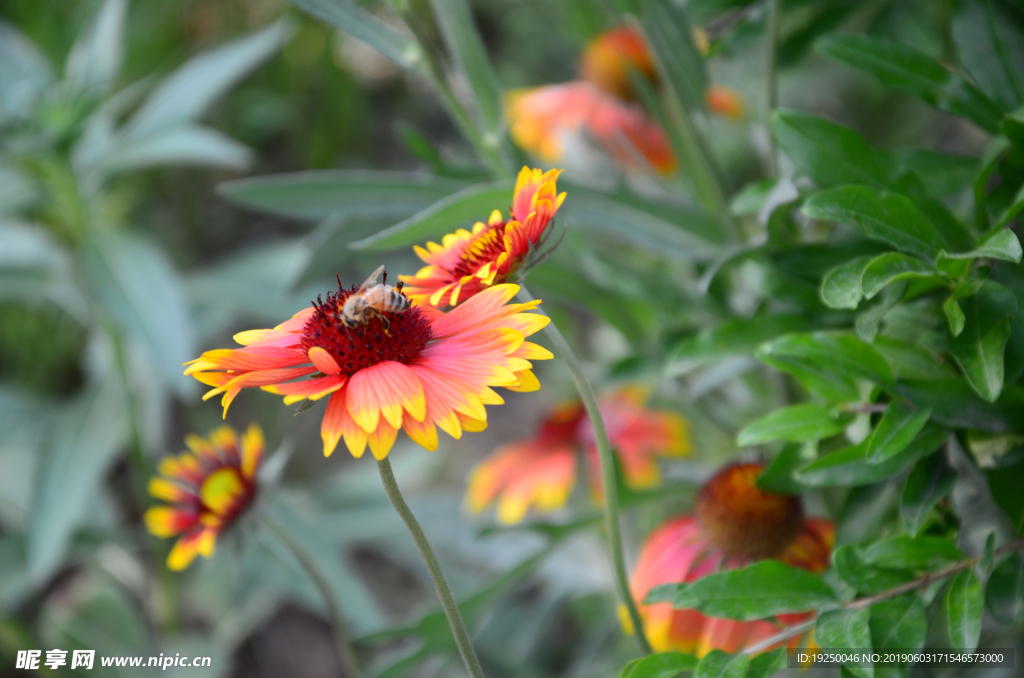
540,472
735,523
415,370
207,488
468,262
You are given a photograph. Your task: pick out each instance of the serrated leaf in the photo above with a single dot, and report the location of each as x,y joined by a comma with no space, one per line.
965,604
899,623
357,22
841,287
890,267
954,316
895,431
719,664
929,483
758,591
95,58
850,465
845,630
880,215
796,423
978,349
910,553
1004,592
661,665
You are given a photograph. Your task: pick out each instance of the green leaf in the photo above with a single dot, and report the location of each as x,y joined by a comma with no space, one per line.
455,19
758,591
912,361
470,204
184,144
899,623
848,561
342,193
930,482
661,665
357,22
1009,214
671,39
767,664
941,174
627,670
1004,592
794,424
979,348
895,431
719,664
95,58
990,42
898,65
990,161
955,404
778,477
77,452
840,353
733,338
965,604
841,287
1003,244
909,553
830,154
850,465
845,630
890,267
954,315
138,288
880,215
25,75
188,92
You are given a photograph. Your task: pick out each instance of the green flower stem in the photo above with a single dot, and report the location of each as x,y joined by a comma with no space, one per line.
346,653
451,608
771,78
609,482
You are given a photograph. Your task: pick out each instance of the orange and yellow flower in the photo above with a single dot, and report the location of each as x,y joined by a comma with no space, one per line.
540,472
207,489
602,105
468,262
735,523
418,370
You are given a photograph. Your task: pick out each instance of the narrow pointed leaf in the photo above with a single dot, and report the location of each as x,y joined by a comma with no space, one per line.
844,630
895,431
357,22
95,58
929,483
796,423
965,604
979,348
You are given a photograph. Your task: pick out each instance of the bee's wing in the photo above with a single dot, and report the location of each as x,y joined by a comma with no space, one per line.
373,278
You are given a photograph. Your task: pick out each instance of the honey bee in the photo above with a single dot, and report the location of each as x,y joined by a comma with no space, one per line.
373,298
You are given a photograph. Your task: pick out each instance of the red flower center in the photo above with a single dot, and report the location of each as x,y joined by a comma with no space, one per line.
485,246
743,520
384,336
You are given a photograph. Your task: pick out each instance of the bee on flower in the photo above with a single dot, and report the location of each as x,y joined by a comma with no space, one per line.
540,472
602,105
468,262
734,523
207,489
394,367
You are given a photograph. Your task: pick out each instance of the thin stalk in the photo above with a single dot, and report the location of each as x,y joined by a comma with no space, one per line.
135,426
346,653
771,79
451,608
609,482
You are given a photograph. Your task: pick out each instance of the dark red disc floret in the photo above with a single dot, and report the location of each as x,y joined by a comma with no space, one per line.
385,336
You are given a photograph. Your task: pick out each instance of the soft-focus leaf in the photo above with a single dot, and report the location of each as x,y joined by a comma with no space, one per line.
141,292
95,58
795,424
899,623
736,337
954,403
1004,592
901,66
979,348
850,466
843,630
941,174
357,22
25,73
16,190
840,353
77,451
907,553
767,664
670,36
865,579
841,287
778,477
1013,251
340,193
879,215
990,42
1003,244
189,91
912,361
662,665
719,664
929,483
894,432
890,267
965,604
954,315
764,589
181,145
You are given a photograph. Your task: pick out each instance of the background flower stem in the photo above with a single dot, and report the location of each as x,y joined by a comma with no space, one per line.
451,608
346,653
609,481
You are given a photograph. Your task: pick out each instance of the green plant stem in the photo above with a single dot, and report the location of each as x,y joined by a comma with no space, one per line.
451,608
771,78
609,481
346,653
